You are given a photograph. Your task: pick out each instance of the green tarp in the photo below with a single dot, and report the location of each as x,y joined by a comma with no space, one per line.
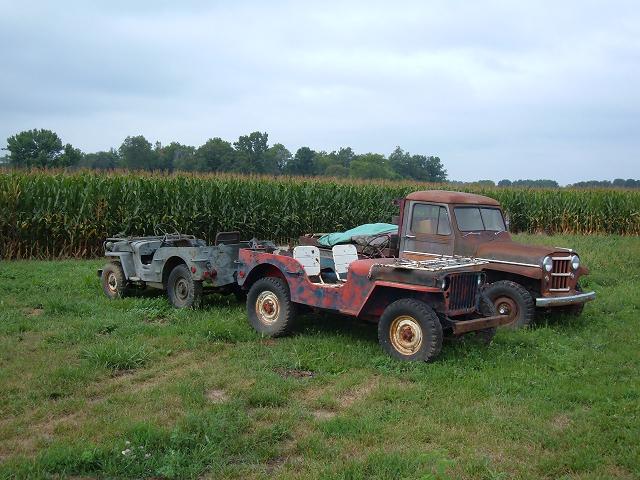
366,230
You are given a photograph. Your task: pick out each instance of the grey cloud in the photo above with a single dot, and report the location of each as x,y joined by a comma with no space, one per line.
496,90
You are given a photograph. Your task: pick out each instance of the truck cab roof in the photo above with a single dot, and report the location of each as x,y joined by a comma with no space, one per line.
444,196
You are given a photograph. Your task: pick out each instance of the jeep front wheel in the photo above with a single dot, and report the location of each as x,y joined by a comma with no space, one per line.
410,330
511,298
183,291
269,307
114,283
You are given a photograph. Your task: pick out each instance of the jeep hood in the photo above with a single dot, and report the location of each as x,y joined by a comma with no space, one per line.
515,252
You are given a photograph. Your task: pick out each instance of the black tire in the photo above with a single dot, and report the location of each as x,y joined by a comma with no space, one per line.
513,299
113,280
410,330
269,307
183,291
488,309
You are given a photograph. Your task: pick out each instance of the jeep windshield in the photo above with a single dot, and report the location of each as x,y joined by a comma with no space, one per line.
478,219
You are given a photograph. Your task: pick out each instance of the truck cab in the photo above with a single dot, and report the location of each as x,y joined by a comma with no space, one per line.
521,277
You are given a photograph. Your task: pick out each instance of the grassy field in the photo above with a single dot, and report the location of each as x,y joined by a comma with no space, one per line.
133,388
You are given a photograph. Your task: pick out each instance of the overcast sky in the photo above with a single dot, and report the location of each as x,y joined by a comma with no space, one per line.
526,89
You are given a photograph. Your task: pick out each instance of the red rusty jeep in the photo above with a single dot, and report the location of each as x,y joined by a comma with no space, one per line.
414,302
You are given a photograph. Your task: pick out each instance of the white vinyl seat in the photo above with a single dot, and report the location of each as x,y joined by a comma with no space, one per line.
309,258
343,255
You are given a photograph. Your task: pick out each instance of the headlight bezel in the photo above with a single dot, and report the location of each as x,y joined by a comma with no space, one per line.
547,264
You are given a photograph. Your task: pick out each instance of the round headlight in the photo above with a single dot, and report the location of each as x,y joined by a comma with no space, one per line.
444,283
481,279
108,246
575,262
547,264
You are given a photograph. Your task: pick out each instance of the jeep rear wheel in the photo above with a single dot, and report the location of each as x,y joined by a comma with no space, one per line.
511,298
113,280
410,330
269,307
183,291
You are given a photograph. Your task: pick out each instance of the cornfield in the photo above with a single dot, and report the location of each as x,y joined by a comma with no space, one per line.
58,214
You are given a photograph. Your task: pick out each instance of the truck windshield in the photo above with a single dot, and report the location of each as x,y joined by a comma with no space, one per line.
471,219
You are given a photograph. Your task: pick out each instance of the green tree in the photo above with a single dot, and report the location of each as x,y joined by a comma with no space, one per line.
303,162
136,153
40,148
216,155
417,167
277,158
371,165
175,156
336,170
504,183
253,149
101,160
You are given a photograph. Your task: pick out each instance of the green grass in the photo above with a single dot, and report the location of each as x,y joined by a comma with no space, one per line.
133,388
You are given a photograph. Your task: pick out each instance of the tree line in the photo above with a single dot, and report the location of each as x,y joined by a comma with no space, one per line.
249,154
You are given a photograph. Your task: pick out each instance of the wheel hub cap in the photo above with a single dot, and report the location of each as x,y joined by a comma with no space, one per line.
406,335
112,282
267,307
182,289
506,306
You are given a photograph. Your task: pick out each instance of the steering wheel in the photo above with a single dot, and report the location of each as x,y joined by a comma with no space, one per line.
374,247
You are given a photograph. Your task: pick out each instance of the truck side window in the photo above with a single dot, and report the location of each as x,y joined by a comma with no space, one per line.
430,220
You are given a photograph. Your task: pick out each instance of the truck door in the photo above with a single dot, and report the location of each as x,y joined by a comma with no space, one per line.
427,229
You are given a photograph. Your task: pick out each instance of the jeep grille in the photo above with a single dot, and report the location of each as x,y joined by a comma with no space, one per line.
560,274
463,288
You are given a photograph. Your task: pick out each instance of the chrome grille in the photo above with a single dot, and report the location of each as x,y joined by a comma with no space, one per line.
463,288
560,274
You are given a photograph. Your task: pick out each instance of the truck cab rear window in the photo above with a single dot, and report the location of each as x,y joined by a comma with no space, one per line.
473,219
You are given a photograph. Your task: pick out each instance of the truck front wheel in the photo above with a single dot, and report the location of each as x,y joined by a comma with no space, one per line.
410,330
511,298
269,307
183,291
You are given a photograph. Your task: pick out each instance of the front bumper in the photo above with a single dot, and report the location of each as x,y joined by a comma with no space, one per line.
568,300
465,326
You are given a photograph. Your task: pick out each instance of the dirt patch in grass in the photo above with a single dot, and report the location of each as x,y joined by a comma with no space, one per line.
33,312
294,373
356,394
561,421
217,396
322,414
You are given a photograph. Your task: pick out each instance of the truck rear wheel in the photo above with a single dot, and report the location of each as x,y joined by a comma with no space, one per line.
269,307
183,291
511,298
113,280
410,330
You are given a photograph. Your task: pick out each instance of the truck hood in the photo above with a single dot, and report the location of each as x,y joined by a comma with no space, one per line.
508,251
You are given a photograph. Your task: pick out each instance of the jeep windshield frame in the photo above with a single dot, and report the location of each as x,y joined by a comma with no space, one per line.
479,219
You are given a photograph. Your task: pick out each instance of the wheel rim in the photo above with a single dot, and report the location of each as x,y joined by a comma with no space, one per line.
406,335
267,307
112,282
506,306
181,289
